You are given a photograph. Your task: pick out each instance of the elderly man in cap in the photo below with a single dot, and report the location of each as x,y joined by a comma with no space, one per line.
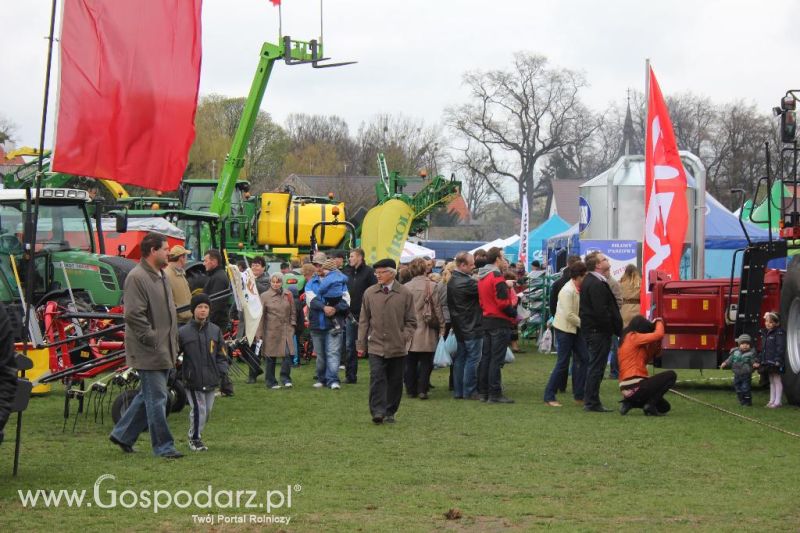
328,302
386,326
176,277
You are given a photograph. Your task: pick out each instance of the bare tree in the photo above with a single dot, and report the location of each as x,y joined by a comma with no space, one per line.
7,130
216,122
477,190
515,119
409,145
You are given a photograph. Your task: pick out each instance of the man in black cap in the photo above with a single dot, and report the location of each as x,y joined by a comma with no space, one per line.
385,328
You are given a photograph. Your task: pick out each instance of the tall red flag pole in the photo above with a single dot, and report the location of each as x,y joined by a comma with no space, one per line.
666,211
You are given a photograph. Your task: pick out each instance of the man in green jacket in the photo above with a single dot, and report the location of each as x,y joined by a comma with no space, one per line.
151,348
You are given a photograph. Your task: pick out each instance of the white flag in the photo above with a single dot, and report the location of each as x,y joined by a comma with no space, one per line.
522,258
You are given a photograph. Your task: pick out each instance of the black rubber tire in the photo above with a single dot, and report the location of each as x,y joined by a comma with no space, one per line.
790,320
177,397
176,401
121,403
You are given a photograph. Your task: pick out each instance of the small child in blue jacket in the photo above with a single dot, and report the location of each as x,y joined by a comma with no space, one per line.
740,361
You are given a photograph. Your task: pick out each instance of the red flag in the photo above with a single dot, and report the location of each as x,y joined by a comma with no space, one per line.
130,73
275,2
666,213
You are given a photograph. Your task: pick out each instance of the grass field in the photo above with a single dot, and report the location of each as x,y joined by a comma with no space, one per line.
503,467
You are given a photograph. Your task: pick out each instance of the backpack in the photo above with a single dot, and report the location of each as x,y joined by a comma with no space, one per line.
428,314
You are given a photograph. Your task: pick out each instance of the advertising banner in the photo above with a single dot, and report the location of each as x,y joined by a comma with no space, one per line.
620,253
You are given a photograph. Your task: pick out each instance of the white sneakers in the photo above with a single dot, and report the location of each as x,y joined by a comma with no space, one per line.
335,386
318,385
288,385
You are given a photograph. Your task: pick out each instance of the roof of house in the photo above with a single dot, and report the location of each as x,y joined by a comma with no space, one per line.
565,199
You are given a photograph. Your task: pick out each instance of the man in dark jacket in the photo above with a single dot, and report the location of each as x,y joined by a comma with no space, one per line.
151,348
203,354
8,369
465,318
499,307
360,277
600,319
217,282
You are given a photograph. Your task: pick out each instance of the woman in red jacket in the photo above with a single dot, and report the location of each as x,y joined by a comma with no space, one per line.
639,345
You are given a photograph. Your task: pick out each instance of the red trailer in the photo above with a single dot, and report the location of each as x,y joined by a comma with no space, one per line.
700,315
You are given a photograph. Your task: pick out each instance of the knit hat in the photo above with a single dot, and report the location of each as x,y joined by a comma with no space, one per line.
329,264
319,258
385,263
744,337
198,299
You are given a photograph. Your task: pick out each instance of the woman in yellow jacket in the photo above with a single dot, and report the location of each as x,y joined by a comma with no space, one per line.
566,326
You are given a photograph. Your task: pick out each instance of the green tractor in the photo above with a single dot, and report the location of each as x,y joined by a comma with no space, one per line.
69,255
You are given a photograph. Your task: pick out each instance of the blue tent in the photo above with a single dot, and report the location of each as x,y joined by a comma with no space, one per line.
723,231
537,239
560,245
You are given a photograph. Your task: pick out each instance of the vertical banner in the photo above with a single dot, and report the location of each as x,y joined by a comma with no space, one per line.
666,212
522,257
130,73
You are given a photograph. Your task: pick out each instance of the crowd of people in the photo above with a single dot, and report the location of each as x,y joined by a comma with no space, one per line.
395,317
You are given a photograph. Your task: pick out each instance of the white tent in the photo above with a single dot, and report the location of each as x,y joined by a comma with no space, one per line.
499,243
412,251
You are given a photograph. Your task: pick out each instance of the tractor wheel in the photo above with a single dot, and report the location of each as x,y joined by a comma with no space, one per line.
176,401
790,319
177,398
121,403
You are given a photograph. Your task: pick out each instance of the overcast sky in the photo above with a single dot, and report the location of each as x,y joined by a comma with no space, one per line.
411,53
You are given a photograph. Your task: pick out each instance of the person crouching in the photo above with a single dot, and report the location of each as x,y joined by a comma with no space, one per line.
201,343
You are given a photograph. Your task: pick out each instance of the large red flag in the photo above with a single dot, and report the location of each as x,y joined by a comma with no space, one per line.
666,213
130,72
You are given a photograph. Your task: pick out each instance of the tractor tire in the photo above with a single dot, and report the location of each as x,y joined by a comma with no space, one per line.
177,398
176,401
121,404
790,320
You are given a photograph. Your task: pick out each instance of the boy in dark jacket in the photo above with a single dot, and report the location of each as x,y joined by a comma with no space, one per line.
203,351
741,362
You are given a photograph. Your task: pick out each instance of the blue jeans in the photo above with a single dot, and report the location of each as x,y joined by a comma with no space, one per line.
613,372
351,358
465,367
148,410
568,344
328,346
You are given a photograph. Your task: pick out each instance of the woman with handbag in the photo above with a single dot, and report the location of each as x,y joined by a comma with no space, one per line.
276,331
430,326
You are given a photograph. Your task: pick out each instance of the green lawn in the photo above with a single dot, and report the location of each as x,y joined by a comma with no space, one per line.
518,467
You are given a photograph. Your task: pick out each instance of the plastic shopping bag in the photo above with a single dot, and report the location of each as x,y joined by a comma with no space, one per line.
441,358
509,356
546,341
451,344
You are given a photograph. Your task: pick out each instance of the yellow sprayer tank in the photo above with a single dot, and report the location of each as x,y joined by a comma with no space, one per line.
284,222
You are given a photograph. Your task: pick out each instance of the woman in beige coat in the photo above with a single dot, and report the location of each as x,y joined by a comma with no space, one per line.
276,331
631,284
419,361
